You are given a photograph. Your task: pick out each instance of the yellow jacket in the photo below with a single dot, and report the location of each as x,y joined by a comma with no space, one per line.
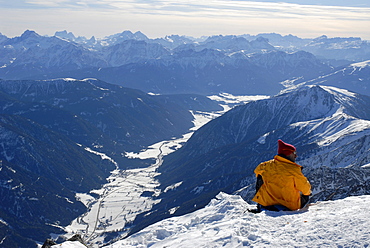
283,182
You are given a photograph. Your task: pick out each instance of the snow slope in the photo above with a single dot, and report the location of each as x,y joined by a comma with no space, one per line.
225,223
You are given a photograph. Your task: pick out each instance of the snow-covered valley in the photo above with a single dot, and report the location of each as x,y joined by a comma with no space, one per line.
128,193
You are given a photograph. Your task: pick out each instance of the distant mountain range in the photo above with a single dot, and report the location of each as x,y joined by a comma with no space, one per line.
177,64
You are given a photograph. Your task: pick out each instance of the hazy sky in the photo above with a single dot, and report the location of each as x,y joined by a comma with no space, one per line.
158,18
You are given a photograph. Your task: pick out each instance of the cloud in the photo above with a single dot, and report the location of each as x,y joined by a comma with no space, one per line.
188,6
206,8
235,9
190,17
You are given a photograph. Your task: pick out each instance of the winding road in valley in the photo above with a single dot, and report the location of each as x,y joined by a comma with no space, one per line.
130,183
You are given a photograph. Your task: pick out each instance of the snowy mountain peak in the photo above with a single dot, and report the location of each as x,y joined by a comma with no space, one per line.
29,34
313,98
66,35
322,37
127,35
330,99
220,37
316,105
261,43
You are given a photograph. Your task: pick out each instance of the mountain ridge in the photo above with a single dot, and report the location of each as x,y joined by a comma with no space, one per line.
225,151
133,60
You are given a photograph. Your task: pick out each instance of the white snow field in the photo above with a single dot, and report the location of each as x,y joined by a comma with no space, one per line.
225,222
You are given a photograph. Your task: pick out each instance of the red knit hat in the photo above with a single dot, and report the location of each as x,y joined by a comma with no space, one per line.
285,148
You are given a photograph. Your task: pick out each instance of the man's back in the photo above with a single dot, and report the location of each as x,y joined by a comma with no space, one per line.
283,183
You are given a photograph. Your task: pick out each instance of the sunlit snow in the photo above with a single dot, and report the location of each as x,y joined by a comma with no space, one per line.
225,222
228,98
335,91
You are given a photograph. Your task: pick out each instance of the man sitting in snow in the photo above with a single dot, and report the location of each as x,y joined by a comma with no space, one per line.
280,183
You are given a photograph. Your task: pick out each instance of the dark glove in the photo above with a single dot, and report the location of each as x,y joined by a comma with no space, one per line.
304,200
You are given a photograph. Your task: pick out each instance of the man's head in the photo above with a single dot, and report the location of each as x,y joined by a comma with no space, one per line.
287,150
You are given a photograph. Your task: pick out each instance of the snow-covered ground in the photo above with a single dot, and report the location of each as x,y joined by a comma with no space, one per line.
121,199
225,222
227,98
